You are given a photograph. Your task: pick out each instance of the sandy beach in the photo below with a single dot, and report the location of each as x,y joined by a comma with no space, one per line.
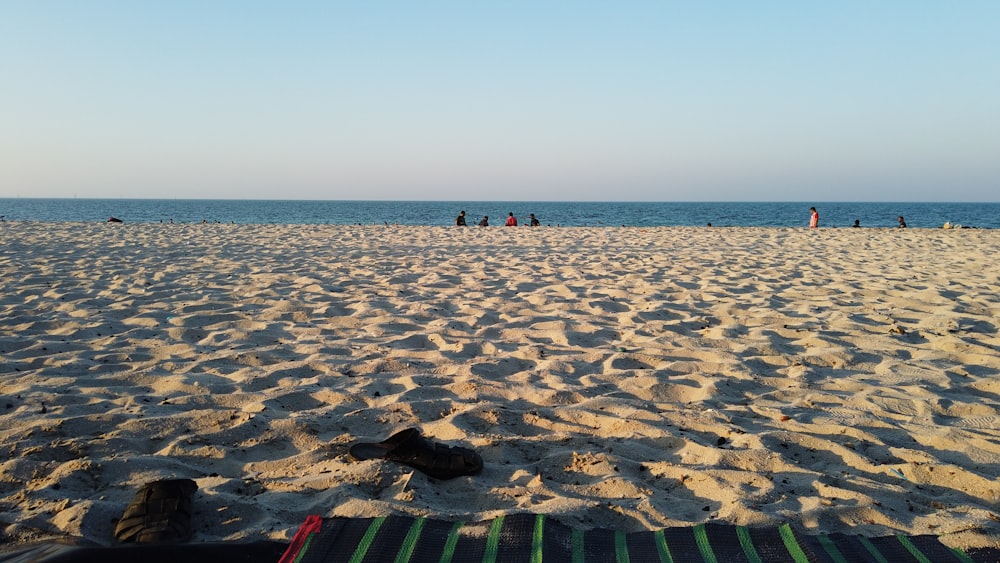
841,380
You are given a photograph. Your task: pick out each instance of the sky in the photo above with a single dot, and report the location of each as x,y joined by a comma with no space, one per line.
514,100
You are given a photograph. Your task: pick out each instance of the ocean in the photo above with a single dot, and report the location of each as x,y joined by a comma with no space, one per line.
566,214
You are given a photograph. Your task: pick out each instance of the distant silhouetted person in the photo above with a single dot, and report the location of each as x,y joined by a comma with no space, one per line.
813,218
533,221
902,223
485,221
857,223
511,220
460,220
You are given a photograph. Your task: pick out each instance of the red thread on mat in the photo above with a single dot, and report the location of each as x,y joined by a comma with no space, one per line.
310,526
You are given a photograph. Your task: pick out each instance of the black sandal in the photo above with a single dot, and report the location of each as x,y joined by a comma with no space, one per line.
159,513
409,447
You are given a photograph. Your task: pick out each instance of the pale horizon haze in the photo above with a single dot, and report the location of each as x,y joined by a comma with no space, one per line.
542,101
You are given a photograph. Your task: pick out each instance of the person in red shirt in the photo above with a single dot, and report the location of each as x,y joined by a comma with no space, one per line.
813,218
511,220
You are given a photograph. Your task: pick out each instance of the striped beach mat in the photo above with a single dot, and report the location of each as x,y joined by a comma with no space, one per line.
534,538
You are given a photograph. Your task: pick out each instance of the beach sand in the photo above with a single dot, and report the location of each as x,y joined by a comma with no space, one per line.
841,380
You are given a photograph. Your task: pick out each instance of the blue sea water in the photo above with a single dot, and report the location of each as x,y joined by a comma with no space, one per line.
642,214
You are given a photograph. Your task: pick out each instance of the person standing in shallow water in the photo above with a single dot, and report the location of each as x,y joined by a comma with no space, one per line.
485,221
460,220
534,220
902,222
813,218
511,220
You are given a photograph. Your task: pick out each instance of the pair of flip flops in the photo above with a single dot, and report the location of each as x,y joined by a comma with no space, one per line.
159,513
409,447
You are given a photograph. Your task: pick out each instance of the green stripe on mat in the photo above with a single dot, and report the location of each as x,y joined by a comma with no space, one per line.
831,549
662,548
872,549
747,544
701,538
621,548
792,544
410,542
961,555
536,539
914,550
577,546
449,545
366,541
305,547
493,541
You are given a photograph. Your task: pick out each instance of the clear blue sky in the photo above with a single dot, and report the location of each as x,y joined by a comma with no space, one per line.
512,100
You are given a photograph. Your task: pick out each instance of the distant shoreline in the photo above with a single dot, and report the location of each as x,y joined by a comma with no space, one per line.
680,214
124,224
